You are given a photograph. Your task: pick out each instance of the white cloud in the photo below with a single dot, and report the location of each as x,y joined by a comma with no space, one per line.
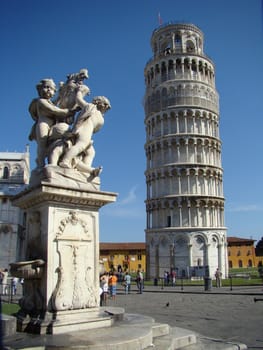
245,208
131,197
129,206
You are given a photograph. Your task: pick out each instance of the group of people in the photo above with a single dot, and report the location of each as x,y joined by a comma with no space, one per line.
169,278
5,285
108,284
108,287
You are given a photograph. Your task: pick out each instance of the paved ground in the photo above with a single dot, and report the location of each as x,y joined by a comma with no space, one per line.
219,313
230,315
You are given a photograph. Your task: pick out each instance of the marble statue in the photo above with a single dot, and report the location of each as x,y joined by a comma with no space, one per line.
64,127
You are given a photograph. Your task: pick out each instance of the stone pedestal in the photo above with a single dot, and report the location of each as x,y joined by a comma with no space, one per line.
61,262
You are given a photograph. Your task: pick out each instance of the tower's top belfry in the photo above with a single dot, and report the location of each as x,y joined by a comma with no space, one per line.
177,38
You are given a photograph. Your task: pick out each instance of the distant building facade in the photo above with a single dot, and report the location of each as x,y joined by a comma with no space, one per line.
14,176
241,253
123,256
185,202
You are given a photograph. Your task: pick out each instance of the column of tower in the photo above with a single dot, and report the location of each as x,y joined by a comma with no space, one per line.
185,202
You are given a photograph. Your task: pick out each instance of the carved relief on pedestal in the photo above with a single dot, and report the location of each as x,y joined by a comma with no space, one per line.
75,284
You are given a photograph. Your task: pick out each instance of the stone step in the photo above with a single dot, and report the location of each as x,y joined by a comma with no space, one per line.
160,329
182,339
204,343
134,332
177,338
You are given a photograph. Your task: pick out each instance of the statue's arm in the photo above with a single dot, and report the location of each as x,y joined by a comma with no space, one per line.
50,110
80,100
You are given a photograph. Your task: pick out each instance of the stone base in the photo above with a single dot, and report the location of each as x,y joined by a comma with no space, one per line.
8,324
133,332
70,321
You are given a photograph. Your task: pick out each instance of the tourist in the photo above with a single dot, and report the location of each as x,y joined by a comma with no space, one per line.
139,280
104,285
127,283
4,282
14,282
218,276
113,285
173,274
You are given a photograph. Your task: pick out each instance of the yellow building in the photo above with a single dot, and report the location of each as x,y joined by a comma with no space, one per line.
241,253
123,256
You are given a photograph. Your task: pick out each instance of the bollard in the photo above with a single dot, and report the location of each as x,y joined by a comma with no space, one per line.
182,283
231,283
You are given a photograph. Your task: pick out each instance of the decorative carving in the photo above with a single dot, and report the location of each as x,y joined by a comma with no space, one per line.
75,283
68,228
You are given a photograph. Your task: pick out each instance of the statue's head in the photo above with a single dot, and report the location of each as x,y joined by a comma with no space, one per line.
46,88
102,103
84,89
83,73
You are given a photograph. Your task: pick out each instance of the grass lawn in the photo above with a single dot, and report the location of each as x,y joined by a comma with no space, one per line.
9,309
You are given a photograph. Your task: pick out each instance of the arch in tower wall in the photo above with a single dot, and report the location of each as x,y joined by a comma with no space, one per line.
182,121
182,94
190,254
184,68
185,180
184,150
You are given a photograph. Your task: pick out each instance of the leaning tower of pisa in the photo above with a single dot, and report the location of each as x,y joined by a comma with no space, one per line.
185,202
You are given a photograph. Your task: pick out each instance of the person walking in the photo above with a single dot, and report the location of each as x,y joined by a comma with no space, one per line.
104,285
218,276
139,280
113,285
127,283
173,278
4,282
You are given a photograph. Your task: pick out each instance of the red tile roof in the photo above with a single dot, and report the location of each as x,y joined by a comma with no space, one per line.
240,240
123,246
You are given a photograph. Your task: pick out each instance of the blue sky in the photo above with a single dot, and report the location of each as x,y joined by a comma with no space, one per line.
52,38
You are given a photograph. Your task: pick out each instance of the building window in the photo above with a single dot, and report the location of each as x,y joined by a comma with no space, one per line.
250,263
169,221
139,257
248,252
240,264
6,173
239,253
230,264
4,200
